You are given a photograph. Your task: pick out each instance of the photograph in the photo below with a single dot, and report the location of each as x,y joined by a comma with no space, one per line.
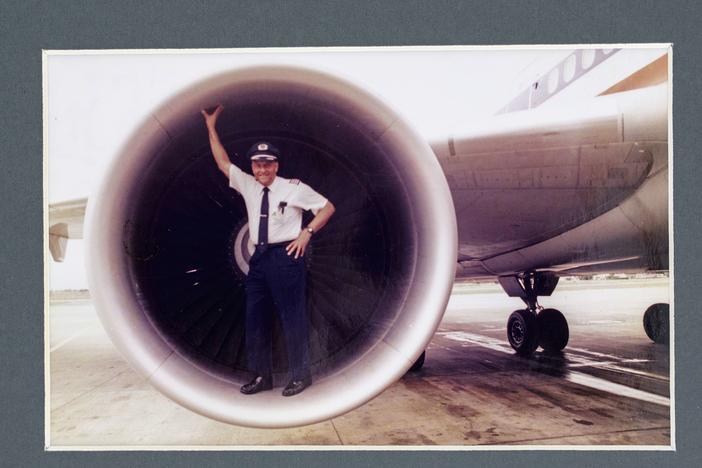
365,248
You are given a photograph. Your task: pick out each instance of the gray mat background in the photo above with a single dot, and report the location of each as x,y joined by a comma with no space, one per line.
28,27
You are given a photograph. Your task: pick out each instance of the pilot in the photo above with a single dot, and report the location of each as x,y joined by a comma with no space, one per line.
274,206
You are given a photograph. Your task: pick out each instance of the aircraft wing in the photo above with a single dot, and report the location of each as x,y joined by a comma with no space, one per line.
574,188
65,222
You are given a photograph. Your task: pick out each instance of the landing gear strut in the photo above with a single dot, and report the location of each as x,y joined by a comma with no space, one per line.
529,328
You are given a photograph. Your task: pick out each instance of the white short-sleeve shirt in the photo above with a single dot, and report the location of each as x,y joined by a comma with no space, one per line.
287,199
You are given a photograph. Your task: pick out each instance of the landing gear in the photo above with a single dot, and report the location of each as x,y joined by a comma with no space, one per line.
527,331
523,332
529,328
418,363
553,330
656,322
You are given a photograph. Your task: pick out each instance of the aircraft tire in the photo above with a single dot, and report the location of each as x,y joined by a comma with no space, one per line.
523,332
419,363
553,330
656,322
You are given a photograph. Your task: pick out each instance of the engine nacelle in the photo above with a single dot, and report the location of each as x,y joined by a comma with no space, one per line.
168,245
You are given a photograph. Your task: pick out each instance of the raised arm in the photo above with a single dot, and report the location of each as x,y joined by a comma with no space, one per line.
218,151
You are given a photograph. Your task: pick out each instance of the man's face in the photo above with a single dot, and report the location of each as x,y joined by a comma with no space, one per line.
264,171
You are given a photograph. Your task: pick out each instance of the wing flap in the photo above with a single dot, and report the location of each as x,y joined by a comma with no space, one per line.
65,222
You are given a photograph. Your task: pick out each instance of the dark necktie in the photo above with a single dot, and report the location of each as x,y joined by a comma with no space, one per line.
263,220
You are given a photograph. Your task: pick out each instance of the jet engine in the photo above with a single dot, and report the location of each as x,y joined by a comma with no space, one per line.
169,245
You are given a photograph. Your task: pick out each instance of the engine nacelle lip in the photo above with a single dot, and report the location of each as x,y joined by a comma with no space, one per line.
131,332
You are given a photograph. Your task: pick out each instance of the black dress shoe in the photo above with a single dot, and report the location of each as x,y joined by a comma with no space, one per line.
258,384
296,386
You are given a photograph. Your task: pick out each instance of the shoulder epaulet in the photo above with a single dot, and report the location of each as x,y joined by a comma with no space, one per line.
295,181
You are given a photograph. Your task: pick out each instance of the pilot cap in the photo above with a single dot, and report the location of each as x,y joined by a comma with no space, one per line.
263,151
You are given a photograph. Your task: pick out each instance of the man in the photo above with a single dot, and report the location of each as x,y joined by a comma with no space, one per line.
274,206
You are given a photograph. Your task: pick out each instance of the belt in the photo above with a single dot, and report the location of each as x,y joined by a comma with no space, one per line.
271,246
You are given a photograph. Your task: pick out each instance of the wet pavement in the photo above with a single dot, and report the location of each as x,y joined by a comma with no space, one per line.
610,387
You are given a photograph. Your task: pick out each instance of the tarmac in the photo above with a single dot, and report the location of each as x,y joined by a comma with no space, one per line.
610,388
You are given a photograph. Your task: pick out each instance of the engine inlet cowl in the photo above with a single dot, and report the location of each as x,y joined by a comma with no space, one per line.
168,245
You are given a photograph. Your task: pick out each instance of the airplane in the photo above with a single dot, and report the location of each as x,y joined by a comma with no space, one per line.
569,177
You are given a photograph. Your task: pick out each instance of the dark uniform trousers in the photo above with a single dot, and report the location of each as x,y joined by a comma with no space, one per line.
275,275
